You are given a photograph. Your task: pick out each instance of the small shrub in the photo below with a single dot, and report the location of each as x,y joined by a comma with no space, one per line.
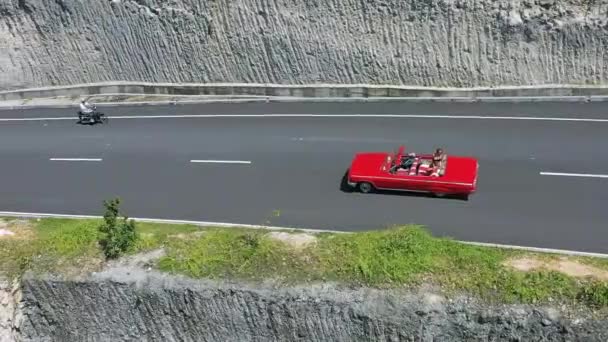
117,236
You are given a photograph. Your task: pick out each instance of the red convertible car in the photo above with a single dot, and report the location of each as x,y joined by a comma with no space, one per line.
438,173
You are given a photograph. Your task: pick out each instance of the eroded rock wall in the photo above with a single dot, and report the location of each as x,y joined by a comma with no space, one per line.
135,306
457,43
10,310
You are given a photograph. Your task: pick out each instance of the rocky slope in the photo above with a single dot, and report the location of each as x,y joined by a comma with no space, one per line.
419,42
126,304
8,308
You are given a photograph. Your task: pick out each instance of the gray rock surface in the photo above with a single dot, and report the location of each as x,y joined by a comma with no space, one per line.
10,310
127,304
453,43
7,308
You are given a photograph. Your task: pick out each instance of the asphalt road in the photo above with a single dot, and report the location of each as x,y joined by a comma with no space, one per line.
594,110
297,164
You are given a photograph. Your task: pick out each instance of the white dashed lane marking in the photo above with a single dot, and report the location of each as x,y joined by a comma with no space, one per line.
589,175
76,159
221,161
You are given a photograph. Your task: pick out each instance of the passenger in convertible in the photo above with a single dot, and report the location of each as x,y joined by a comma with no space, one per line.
439,162
425,168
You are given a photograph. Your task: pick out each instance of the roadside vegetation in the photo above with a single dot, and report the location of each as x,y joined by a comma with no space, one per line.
396,257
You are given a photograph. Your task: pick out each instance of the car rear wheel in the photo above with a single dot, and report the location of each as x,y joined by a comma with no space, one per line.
365,187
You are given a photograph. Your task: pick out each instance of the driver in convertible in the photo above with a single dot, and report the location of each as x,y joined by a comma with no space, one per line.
405,163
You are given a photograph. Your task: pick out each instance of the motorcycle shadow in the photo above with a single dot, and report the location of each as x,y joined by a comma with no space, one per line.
87,123
91,122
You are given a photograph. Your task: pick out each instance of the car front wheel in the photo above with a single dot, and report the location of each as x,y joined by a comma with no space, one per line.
365,187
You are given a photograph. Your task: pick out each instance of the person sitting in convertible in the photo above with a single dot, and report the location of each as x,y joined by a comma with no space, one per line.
433,167
438,163
425,168
439,155
405,163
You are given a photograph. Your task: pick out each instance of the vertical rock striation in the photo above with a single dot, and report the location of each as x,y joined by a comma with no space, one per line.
160,308
10,310
454,43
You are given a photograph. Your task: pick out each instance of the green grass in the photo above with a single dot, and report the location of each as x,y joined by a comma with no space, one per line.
595,262
59,245
153,235
398,257
68,238
406,256
230,253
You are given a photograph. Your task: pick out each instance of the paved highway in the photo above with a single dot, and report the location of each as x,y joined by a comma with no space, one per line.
295,165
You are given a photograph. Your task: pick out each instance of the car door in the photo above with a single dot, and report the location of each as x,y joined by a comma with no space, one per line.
409,182
385,180
400,180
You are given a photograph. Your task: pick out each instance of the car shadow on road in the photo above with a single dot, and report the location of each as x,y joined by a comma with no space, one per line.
344,187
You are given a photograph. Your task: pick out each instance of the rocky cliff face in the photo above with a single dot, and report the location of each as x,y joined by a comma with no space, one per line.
419,42
132,305
10,310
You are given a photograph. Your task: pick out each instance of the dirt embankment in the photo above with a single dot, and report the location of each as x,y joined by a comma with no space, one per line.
129,299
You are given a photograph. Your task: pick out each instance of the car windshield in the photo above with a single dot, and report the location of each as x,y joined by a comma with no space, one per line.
393,159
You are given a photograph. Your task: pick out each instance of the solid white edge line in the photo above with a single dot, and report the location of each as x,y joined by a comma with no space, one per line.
405,116
221,161
168,221
415,116
308,230
589,175
75,159
537,249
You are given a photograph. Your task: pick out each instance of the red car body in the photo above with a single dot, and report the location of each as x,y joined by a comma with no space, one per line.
372,170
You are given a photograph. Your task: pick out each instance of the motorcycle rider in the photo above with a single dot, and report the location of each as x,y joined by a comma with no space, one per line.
85,109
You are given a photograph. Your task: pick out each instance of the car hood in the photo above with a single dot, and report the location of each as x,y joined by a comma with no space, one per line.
367,163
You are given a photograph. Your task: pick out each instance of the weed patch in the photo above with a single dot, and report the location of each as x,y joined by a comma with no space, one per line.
397,257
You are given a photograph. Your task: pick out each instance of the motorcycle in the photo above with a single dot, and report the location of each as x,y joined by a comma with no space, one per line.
93,117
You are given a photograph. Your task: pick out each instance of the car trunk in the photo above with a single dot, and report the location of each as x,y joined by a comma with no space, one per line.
461,169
